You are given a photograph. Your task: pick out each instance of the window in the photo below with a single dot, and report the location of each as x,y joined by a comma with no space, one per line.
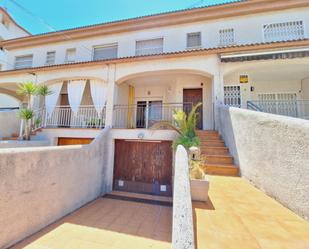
105,52
23,61
226,37
153,46
194,40
232,96
70,55
50,58
284,31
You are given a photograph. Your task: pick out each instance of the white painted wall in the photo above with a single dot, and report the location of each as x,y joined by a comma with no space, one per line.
248,29
8,101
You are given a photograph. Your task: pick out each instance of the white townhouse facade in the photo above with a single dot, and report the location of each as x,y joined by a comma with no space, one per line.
128,74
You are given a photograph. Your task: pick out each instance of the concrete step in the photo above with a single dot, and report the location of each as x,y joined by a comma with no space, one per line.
214,151
218,159
221,169
212,143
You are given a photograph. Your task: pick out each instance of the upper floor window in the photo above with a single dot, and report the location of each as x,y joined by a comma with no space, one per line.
226,37
50,58
284,31
105,52
152,46
194,40
70,55
24,61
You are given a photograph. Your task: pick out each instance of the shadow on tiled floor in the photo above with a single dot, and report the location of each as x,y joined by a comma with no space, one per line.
108,223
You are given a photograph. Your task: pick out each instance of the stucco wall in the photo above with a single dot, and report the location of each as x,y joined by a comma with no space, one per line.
17,144
40,185
9,123
272,152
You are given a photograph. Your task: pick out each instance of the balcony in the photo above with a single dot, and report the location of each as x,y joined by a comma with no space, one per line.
291,108
146,113
64,117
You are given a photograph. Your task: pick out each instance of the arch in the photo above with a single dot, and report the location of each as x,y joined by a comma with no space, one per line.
11,94
163,72
52,81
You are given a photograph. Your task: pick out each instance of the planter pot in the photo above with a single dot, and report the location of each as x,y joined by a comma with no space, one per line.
199,189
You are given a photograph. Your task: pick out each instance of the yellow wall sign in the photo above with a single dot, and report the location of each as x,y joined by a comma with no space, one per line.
244,79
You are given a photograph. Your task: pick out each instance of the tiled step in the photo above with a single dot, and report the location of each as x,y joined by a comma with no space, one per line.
212,143
218,159
9,138
221,169
214,151
205,137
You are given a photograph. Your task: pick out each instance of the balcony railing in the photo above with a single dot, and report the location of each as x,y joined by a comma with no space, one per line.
146,114
64,117
291,108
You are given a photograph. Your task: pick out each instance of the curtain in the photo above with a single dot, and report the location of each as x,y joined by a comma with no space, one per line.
130,121
75,93
99,94
51,100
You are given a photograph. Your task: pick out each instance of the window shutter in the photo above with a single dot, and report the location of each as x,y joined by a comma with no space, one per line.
50,58
153,46
70,55
105,52
194,40
23,61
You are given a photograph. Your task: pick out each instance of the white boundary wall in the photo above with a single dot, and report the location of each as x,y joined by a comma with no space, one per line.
272,152
40,185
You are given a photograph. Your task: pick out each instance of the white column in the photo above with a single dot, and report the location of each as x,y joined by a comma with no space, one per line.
218,96
110,95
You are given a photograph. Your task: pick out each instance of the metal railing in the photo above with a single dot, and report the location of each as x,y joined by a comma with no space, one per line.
291,108
147,114
64,117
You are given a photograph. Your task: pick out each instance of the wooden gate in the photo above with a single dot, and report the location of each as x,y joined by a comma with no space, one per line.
143,167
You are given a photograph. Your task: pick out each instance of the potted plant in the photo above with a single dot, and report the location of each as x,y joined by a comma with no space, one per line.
198,182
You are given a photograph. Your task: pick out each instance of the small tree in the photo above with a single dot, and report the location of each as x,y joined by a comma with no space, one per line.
185,127
28,90
27,115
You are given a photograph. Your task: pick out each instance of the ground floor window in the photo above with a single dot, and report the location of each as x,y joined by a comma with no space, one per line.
232,96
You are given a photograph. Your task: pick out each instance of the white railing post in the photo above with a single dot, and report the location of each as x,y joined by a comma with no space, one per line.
147,115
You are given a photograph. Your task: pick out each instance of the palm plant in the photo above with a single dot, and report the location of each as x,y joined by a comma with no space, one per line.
27,89
43,91
26,114
185,126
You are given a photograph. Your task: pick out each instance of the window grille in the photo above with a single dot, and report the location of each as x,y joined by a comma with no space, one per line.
232,96
284,31
226,37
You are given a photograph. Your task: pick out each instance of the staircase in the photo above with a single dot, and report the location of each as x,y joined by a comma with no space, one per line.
215,155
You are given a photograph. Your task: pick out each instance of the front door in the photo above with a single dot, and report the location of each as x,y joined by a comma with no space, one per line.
143,167
192,97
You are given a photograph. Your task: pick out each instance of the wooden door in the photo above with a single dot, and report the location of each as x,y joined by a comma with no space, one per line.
73,141
143,167
192,97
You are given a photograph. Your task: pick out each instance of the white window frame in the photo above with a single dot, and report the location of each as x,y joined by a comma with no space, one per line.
192,33
19,56
105,46
149,39
46,61
234,37
66,55
287,21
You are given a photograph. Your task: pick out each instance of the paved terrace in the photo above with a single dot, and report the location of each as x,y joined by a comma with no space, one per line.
237,216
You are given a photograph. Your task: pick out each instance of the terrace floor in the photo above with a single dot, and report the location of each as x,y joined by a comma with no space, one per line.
240,216
237,216
108,224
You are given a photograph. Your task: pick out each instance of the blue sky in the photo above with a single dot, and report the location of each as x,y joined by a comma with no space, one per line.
63,14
